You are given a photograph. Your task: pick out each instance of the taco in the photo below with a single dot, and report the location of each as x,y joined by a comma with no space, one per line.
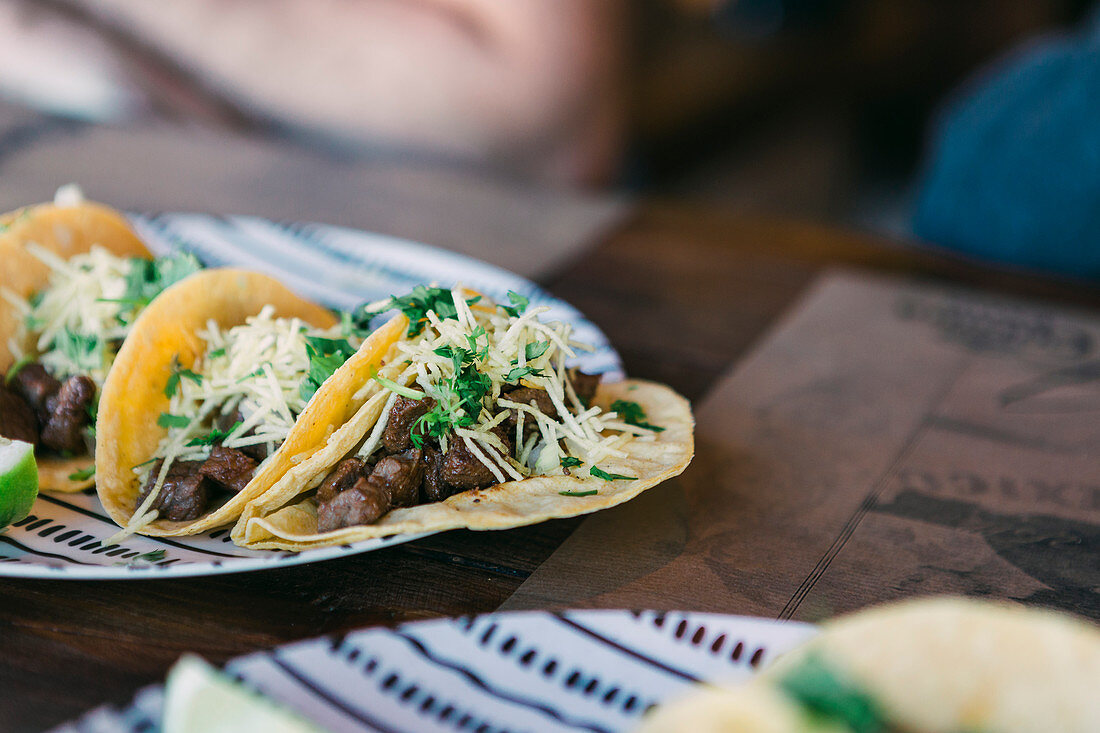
473,420
75,277
942,665
217,392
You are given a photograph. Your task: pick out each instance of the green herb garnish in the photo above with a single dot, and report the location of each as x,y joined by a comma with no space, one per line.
818,687
392,386
325,357
590,492
600,473
216,353
83,474
633,414
17,367
570,462
147,278
84,352
416,306
519,304
167,420
151,556
214,436
519,373
535,349
178,372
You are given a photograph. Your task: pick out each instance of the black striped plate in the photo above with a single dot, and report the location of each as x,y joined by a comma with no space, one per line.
596,671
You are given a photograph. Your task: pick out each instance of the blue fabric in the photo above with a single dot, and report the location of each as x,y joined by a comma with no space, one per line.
1013,174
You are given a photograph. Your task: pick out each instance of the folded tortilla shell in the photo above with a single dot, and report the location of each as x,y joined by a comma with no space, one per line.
954,664
278,521
133,396
67,231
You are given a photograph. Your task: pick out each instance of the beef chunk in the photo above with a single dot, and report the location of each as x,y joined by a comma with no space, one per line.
400,475
68,415
36,386
462,470
184,494
229,468
538,397
394,482
403,415
363,503
433,488
256,451
584,385
342,478
17,421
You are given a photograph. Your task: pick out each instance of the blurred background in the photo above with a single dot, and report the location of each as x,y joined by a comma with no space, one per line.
838,111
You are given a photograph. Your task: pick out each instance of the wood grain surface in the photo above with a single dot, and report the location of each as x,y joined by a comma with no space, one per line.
681,293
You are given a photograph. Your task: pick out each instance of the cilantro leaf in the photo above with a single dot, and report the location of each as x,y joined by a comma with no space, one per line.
214,436
216,353
172,386
83,474
519,373
535,349
151,556
633,414
167,420
590,492
600,473
83,352
815,685
519,304
570,462
325,357
416,306
147,278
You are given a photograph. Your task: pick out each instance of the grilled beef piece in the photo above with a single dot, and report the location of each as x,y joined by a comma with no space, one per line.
394,482
36,386
538,397
342,478
403,415
433,488
184,494
462,470
17,421
257,451
584,385
229,468
68,415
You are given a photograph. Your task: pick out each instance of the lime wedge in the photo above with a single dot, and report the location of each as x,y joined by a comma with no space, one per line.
200,699
18,480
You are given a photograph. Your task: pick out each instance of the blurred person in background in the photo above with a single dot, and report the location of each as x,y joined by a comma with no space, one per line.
534,87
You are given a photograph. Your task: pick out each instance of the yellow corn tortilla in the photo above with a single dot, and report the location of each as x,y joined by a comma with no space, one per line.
934,665
133,396
276,521
67,231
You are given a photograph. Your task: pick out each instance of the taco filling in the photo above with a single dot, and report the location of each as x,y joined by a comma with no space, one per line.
232,409
479,394
68,336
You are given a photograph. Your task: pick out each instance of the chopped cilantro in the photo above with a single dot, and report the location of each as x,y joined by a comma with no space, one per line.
472,338
818,687
167,420
174,378
83,474
570,461
216,353
519,373
80,350
600,473
460,403
147,278
416,306
151,556
633,414
214,436
519,304
590,492
535,349
258,371
325,357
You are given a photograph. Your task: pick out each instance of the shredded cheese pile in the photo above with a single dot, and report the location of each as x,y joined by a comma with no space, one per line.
499,340
75,324
257,369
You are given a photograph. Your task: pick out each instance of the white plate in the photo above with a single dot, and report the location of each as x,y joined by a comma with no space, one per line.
596,671
338,267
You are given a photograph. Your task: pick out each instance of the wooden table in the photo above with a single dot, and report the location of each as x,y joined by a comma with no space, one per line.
682,293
